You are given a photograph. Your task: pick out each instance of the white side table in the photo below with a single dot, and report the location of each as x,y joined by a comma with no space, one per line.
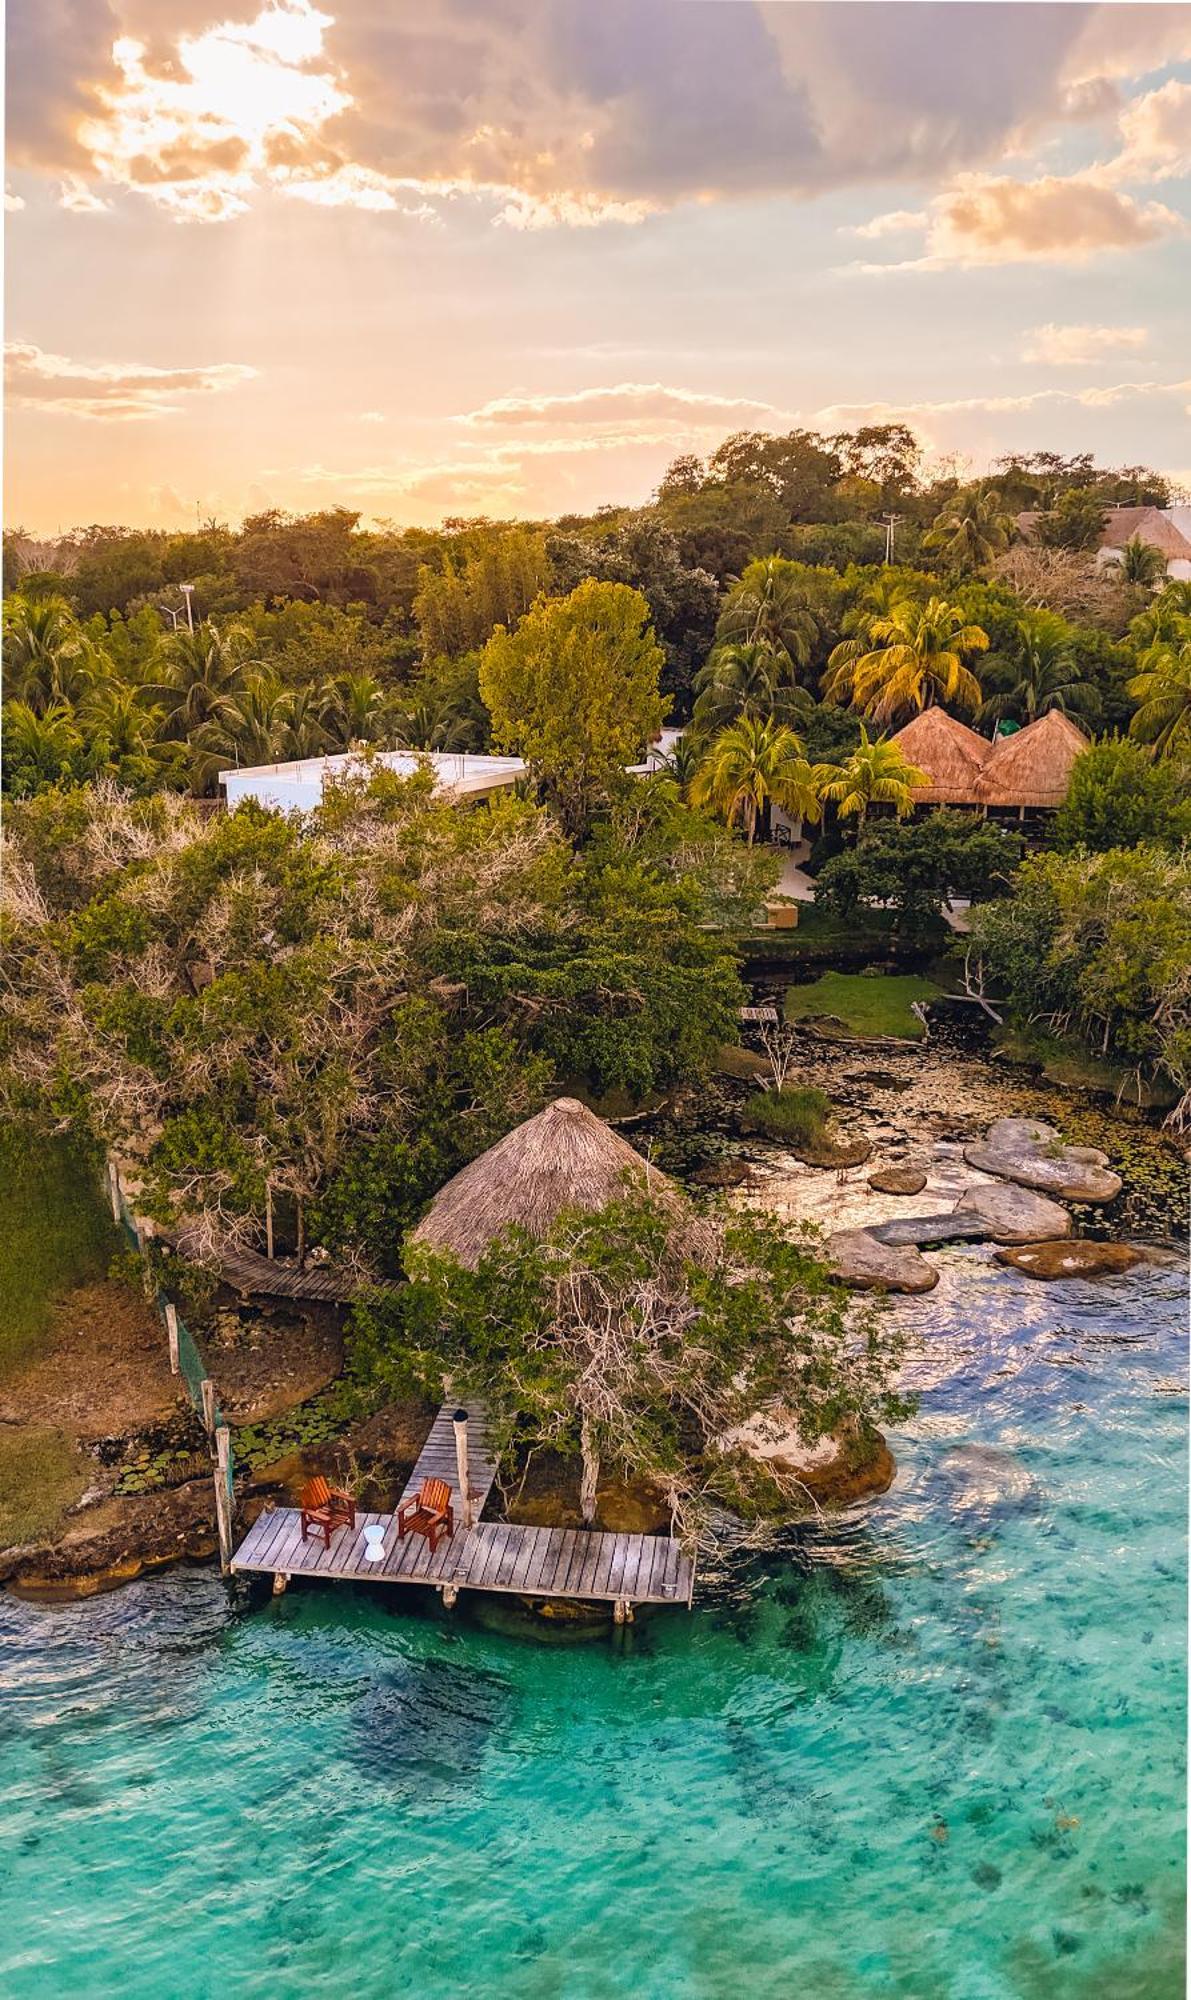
374,1543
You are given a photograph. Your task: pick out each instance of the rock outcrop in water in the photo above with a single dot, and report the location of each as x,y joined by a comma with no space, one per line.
897,1180
1071,1260
1013,1214
1032,1154
861,1260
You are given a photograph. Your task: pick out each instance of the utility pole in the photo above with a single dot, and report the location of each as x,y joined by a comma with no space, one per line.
890,521
187,590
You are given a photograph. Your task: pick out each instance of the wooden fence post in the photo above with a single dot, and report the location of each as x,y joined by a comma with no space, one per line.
114,1188
171,1327
208,1396
223,1507
461,1466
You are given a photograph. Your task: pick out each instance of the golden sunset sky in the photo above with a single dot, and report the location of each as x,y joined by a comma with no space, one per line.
433,257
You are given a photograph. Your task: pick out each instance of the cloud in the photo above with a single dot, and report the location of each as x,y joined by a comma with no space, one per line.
546,112
1101,398
992,219
635,402
109,392
1079,346
1156,134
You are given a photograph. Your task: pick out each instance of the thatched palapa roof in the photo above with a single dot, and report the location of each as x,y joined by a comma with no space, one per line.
1033,767
566,1157
951,754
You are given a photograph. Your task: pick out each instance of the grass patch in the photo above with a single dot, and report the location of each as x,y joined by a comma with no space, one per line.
55,1233
1073,1066
797,1114
41,1475
864,1004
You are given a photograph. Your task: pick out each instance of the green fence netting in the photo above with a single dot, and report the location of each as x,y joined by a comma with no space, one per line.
191,1366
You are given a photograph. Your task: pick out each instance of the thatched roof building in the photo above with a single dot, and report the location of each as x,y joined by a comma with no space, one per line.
951,754
566,1157
1033,766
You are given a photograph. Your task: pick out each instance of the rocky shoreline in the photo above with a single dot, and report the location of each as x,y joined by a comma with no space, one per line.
938,1161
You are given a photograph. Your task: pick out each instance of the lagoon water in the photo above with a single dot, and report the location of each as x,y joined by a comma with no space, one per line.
933,1750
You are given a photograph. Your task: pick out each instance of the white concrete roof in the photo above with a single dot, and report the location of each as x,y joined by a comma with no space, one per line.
298,786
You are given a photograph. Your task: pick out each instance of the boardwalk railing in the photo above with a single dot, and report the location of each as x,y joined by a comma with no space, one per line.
185,1360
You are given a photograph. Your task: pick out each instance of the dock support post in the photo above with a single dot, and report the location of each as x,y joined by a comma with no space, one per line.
450,1595
223,1505
208,1395
461,1466
171,1327
268,1218
280,1583
622,1611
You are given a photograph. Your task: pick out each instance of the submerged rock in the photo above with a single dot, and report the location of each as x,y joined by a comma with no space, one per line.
861,1260
918,1231
1013,1214
982,1476
1033,1154
1080,1259
897,1180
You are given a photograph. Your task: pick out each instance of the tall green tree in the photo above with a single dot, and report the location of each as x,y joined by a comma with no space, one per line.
970,530
873,774
914,657
1163,692
575,690
752,765
1047,670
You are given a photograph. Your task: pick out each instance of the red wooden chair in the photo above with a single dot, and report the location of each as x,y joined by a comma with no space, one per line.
430,1513
325,1508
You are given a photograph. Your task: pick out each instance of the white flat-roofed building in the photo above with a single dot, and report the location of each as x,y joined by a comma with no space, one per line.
298,786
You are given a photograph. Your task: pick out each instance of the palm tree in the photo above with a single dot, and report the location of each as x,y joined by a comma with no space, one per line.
875,773
121,731
1140,562
681,762
434,723
1166,618
1048,673
249,728
767,605
204,674
356,709
912,657
753,764
40,748
1163,690
972,528
304,733
44,651
746,678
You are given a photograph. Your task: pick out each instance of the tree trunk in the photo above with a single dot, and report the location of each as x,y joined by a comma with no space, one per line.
591,1474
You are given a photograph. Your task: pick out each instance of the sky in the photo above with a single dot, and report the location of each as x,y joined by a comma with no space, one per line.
431,258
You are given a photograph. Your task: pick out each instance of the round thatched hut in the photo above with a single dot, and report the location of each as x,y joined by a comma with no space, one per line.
566,1157
951,754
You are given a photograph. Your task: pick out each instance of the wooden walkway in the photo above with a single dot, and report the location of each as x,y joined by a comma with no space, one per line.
492,1555
254,1276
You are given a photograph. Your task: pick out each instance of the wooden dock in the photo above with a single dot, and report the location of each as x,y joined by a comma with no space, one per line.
492,1555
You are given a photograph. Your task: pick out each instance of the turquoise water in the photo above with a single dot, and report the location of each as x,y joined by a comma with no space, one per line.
933,1750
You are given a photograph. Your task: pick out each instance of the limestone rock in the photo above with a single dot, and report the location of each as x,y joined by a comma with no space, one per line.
897,1180
860,1260
918,1231
1080,1259
1013,1214
1032,1154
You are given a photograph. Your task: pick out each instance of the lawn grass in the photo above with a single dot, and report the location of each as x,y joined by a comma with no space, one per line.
55,1233
42,1473
864,1004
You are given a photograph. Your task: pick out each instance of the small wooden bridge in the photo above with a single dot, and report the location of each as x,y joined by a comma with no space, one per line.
491,1555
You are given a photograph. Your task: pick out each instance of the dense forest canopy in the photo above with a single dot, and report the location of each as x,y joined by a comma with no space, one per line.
790,600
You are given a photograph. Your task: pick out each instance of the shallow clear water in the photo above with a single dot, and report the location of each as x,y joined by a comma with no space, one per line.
933,1750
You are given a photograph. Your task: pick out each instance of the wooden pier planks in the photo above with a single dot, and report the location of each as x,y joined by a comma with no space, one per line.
492,1555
